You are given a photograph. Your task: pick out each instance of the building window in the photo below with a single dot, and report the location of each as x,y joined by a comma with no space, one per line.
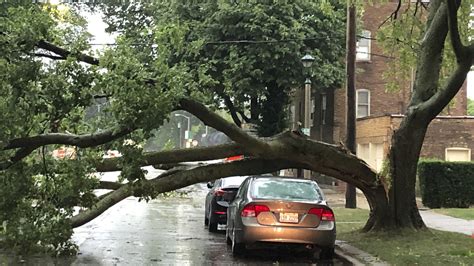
458,154
323,108
363,46
363,103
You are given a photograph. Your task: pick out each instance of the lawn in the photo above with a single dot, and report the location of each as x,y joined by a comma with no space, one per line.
428,247
463,213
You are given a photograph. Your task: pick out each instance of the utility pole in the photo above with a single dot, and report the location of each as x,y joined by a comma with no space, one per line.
351,199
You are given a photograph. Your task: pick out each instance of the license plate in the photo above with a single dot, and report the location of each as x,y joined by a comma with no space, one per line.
288,217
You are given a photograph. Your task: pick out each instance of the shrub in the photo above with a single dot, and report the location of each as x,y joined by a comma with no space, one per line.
446,184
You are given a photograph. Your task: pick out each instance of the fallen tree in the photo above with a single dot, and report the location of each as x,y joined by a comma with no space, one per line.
142,96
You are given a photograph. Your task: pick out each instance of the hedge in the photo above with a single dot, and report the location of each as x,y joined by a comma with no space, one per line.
446,184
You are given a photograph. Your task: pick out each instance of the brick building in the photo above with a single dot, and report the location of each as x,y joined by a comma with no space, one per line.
379,112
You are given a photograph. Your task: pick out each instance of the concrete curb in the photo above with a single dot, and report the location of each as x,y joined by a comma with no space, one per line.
355,256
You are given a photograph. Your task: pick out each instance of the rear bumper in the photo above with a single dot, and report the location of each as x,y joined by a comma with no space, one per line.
219,214
282,234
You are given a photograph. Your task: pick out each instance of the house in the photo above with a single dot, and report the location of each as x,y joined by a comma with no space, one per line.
379,111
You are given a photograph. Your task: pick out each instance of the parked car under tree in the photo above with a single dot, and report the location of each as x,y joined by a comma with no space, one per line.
221,192
281,211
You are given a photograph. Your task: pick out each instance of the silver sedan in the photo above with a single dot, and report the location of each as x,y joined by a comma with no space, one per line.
276,211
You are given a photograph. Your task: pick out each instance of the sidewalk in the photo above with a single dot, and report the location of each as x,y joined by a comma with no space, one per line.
447,223
432,220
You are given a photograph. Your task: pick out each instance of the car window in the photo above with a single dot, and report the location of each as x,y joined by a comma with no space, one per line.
233,181
242,188
285,189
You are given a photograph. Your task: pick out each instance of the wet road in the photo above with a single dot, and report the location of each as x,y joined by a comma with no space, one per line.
165,231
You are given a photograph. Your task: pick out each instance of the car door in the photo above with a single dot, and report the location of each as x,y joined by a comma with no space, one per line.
233,209
209,196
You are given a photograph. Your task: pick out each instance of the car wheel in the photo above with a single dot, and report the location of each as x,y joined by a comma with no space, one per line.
237,248
212,222
206,221
326,253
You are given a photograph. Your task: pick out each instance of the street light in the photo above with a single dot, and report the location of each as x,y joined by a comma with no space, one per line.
187,117
307,61
186,133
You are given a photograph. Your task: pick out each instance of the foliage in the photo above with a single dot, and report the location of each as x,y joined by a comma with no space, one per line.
36,202
446,184
470,107
41,96
228,55
162,54
401,38
242,51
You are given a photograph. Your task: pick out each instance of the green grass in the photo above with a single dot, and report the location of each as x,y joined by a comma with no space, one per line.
427,247
463,213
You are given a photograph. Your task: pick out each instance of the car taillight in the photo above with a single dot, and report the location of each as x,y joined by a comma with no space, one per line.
219,192
252,210
323,214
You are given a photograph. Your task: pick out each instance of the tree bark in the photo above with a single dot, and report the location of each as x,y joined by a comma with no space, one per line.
404,153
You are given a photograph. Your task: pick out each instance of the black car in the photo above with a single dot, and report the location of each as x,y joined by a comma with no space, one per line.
217,200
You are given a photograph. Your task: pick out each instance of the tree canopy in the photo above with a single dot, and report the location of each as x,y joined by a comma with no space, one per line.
240,56
197,58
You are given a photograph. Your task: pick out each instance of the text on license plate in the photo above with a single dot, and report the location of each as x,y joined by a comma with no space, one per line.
288,217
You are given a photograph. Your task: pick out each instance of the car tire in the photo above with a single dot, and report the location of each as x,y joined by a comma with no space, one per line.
206,221
237,248
326,253
212,222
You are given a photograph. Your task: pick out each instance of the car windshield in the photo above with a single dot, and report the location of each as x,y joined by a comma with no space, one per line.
285,189
233,181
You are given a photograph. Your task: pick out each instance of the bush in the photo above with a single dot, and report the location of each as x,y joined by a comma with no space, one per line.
446,184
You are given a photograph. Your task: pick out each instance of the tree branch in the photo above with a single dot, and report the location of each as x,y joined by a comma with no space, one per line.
109,185
287,152
177,156
65,53
459,49
102,205
54,57
209,118
233,112
441,99
19,155
82,141
430,56
244,117
464,57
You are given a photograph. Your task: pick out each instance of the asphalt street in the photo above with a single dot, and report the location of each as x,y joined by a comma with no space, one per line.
168,231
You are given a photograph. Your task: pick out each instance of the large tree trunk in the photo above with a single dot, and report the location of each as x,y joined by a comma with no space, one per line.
380,217
403,157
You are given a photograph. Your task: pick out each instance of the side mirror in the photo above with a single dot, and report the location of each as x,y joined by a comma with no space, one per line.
210,184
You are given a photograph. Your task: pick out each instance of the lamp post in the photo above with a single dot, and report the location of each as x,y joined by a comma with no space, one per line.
307,61
186,134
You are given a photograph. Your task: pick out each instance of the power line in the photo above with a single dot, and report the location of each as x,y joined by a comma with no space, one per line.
238,41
